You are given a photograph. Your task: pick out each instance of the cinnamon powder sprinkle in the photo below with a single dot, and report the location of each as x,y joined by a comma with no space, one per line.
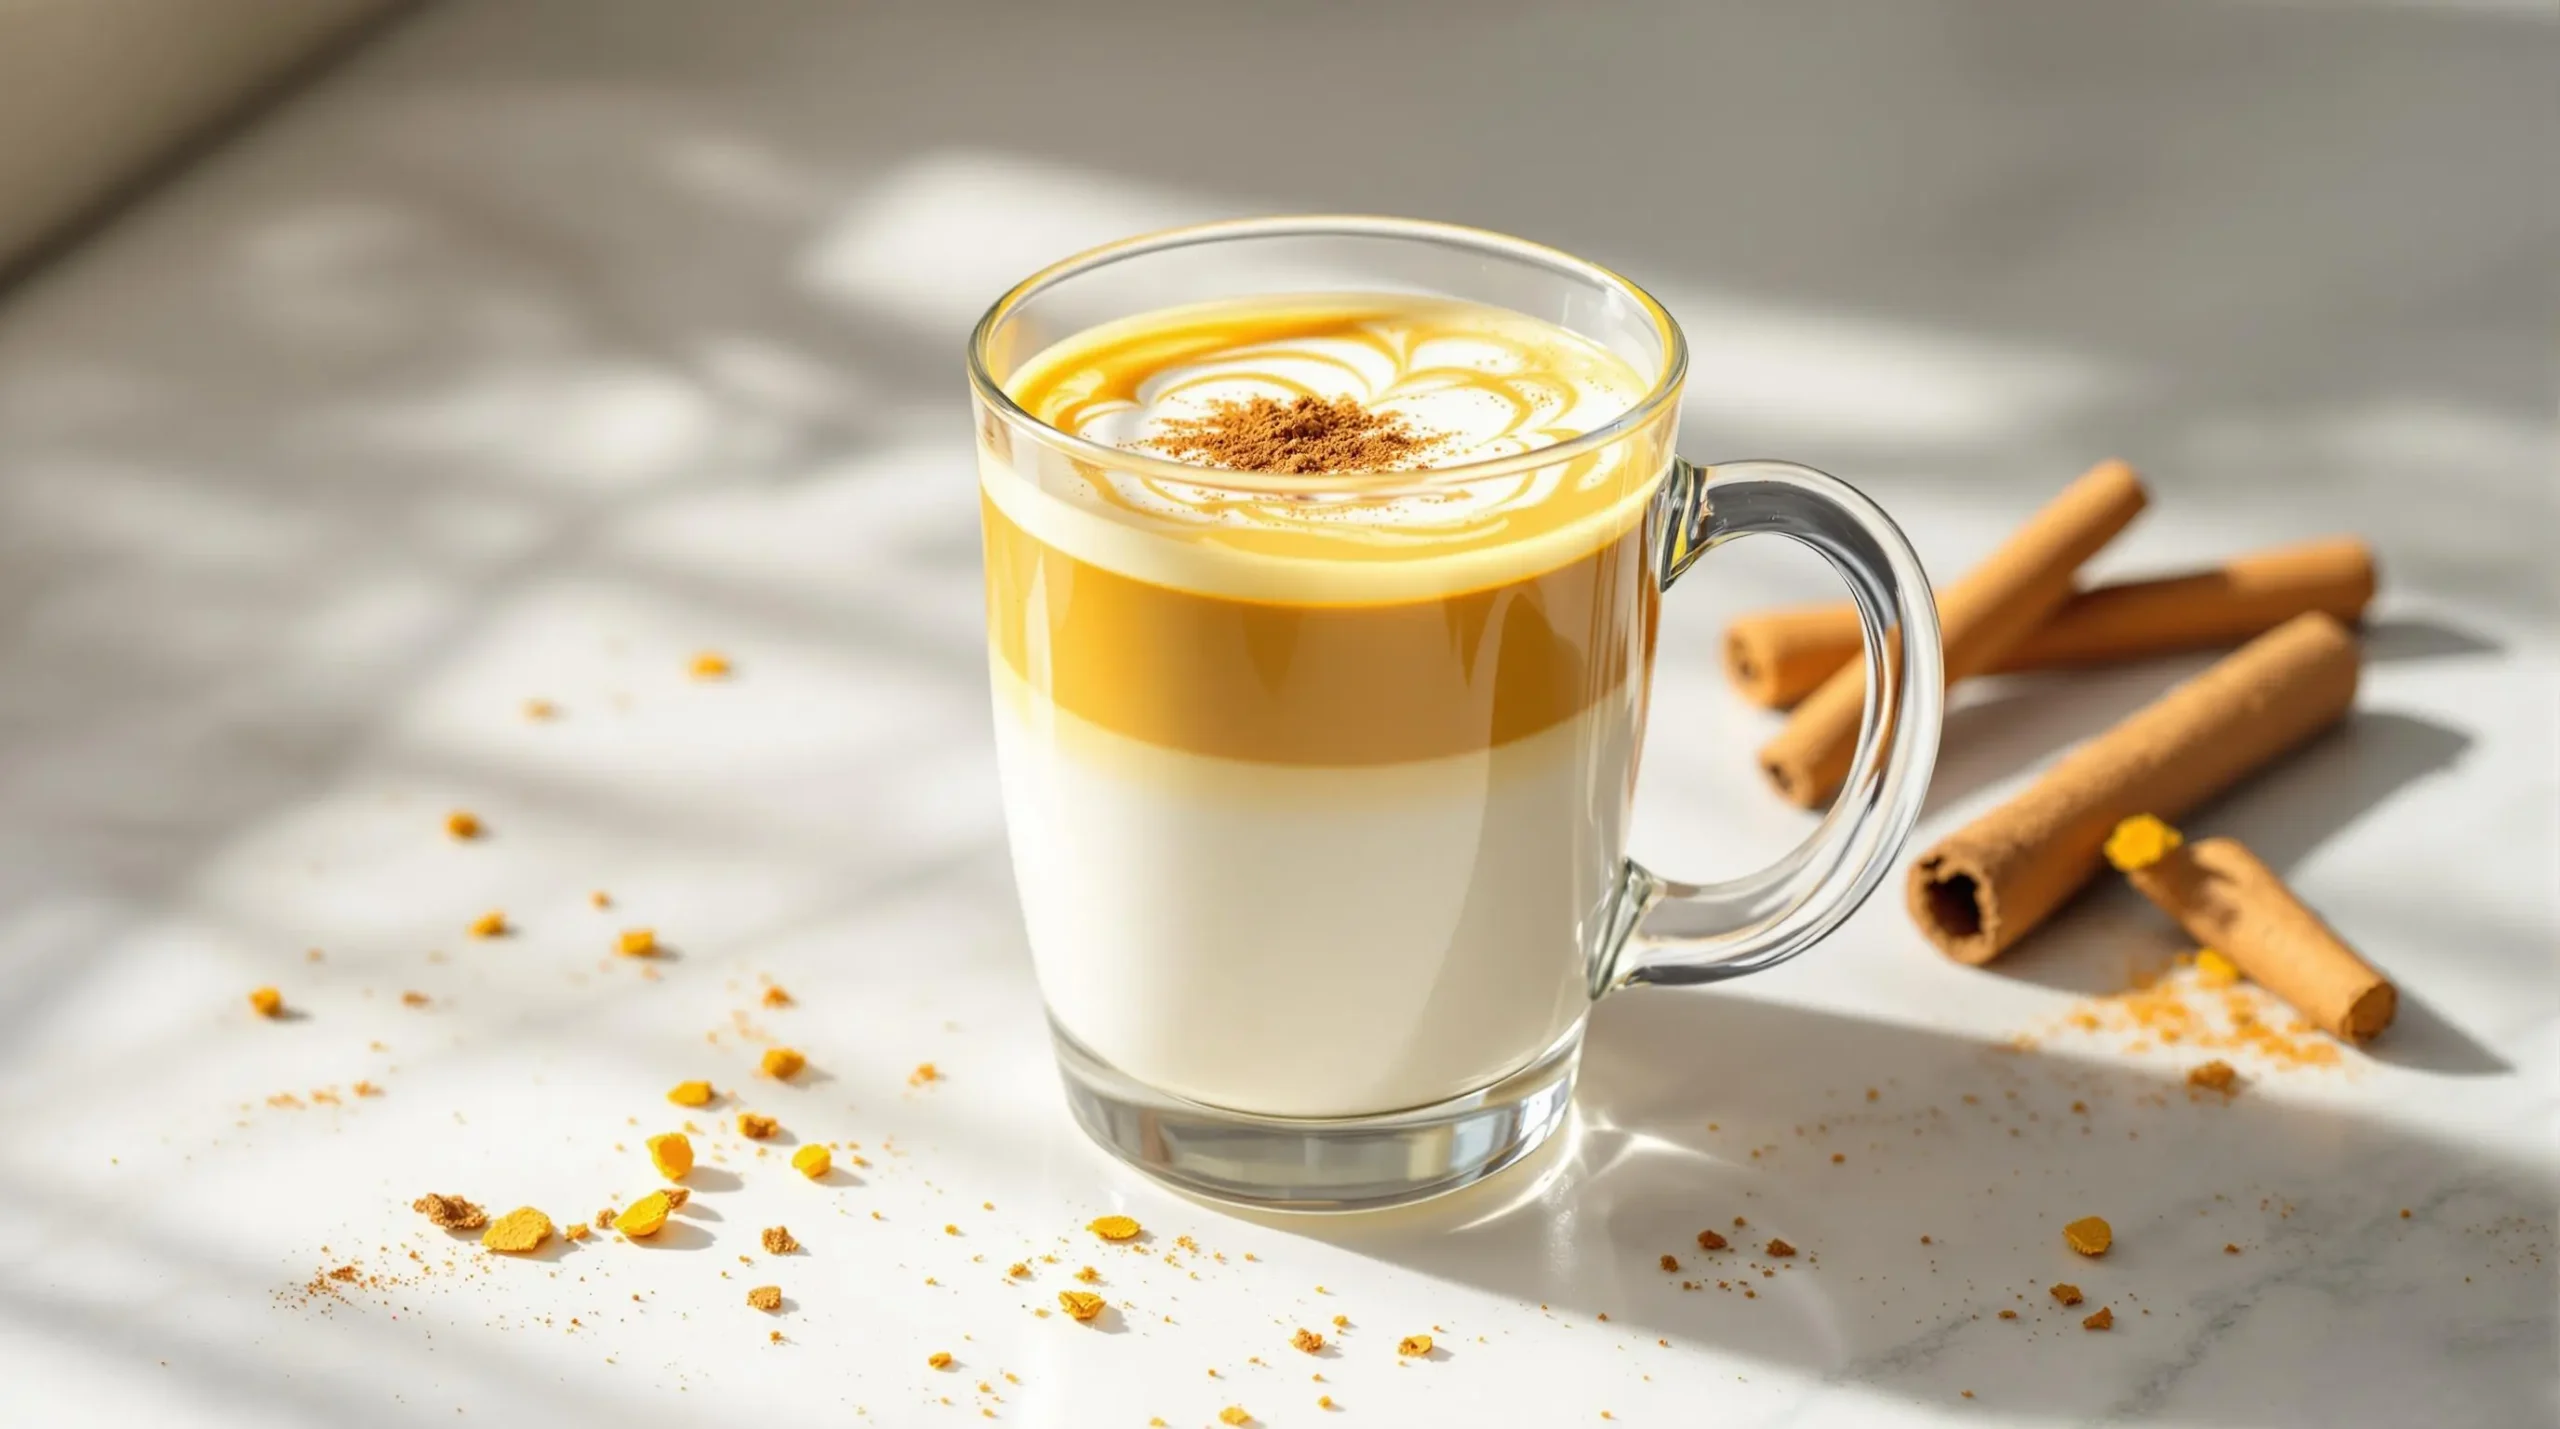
451,1213
1304,436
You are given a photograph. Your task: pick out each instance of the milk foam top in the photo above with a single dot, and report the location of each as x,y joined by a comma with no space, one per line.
1482,382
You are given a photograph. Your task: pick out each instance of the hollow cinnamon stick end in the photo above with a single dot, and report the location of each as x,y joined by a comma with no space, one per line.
1751,669
1953,902
2370,1013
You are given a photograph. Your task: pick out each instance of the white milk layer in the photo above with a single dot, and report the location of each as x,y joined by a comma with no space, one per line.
1301,941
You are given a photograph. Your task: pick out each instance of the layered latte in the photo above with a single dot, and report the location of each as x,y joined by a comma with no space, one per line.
1316,785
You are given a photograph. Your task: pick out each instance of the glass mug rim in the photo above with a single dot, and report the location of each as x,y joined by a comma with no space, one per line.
1664,391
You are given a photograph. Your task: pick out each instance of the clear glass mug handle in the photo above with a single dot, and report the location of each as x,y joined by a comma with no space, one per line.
1675,933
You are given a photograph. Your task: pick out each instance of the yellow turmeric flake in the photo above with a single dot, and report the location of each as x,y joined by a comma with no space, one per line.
1414,1346
1082,1305
672,1153
813,1160
690,1094
266,1002
1113,1228
2140,842
518,1231
709,665
781,1064
644,1217
2215,970
462,824
492,924
636,942
2089,1235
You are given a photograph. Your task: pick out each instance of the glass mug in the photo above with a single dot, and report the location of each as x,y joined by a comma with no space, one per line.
1317,786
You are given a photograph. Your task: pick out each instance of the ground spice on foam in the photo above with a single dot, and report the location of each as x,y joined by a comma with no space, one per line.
1304,436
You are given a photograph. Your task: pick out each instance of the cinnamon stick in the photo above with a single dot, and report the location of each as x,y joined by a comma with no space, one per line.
1981,618
2230,901
1776,657
1982,888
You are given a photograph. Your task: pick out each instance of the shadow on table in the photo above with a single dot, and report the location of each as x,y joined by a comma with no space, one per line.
1696,1109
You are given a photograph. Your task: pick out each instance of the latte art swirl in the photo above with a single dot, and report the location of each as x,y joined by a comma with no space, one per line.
1477,383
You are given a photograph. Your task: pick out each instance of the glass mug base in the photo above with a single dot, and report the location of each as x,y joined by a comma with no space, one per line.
1349,1163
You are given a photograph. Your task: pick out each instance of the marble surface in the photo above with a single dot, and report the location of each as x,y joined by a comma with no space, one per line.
546,344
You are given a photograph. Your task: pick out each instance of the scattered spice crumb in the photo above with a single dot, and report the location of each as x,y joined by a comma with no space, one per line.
813,1160
2089,1235
1781,1249
600,899
462,824
672,1154
267,1002
776,997
781,1064
2008,1314
414,999
1837,1158
492,924
540,709
766,1297
2230,1249
644,1217
2214,1076
1307,1341
1739,1221
2404,1213
1234,1414
690,1094
2066,1293
1118,1228
939,1359
1089,1275
676,1196
924,1072
1712,1240
1324,1401
1342,1322
1083,1305
1019,1270
755,1126
574,1230
451,1213
2105,1319
1414,1346
778,1241
637,942
709,665
518,1231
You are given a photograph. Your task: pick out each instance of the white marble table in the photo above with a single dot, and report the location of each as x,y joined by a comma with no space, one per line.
547,344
